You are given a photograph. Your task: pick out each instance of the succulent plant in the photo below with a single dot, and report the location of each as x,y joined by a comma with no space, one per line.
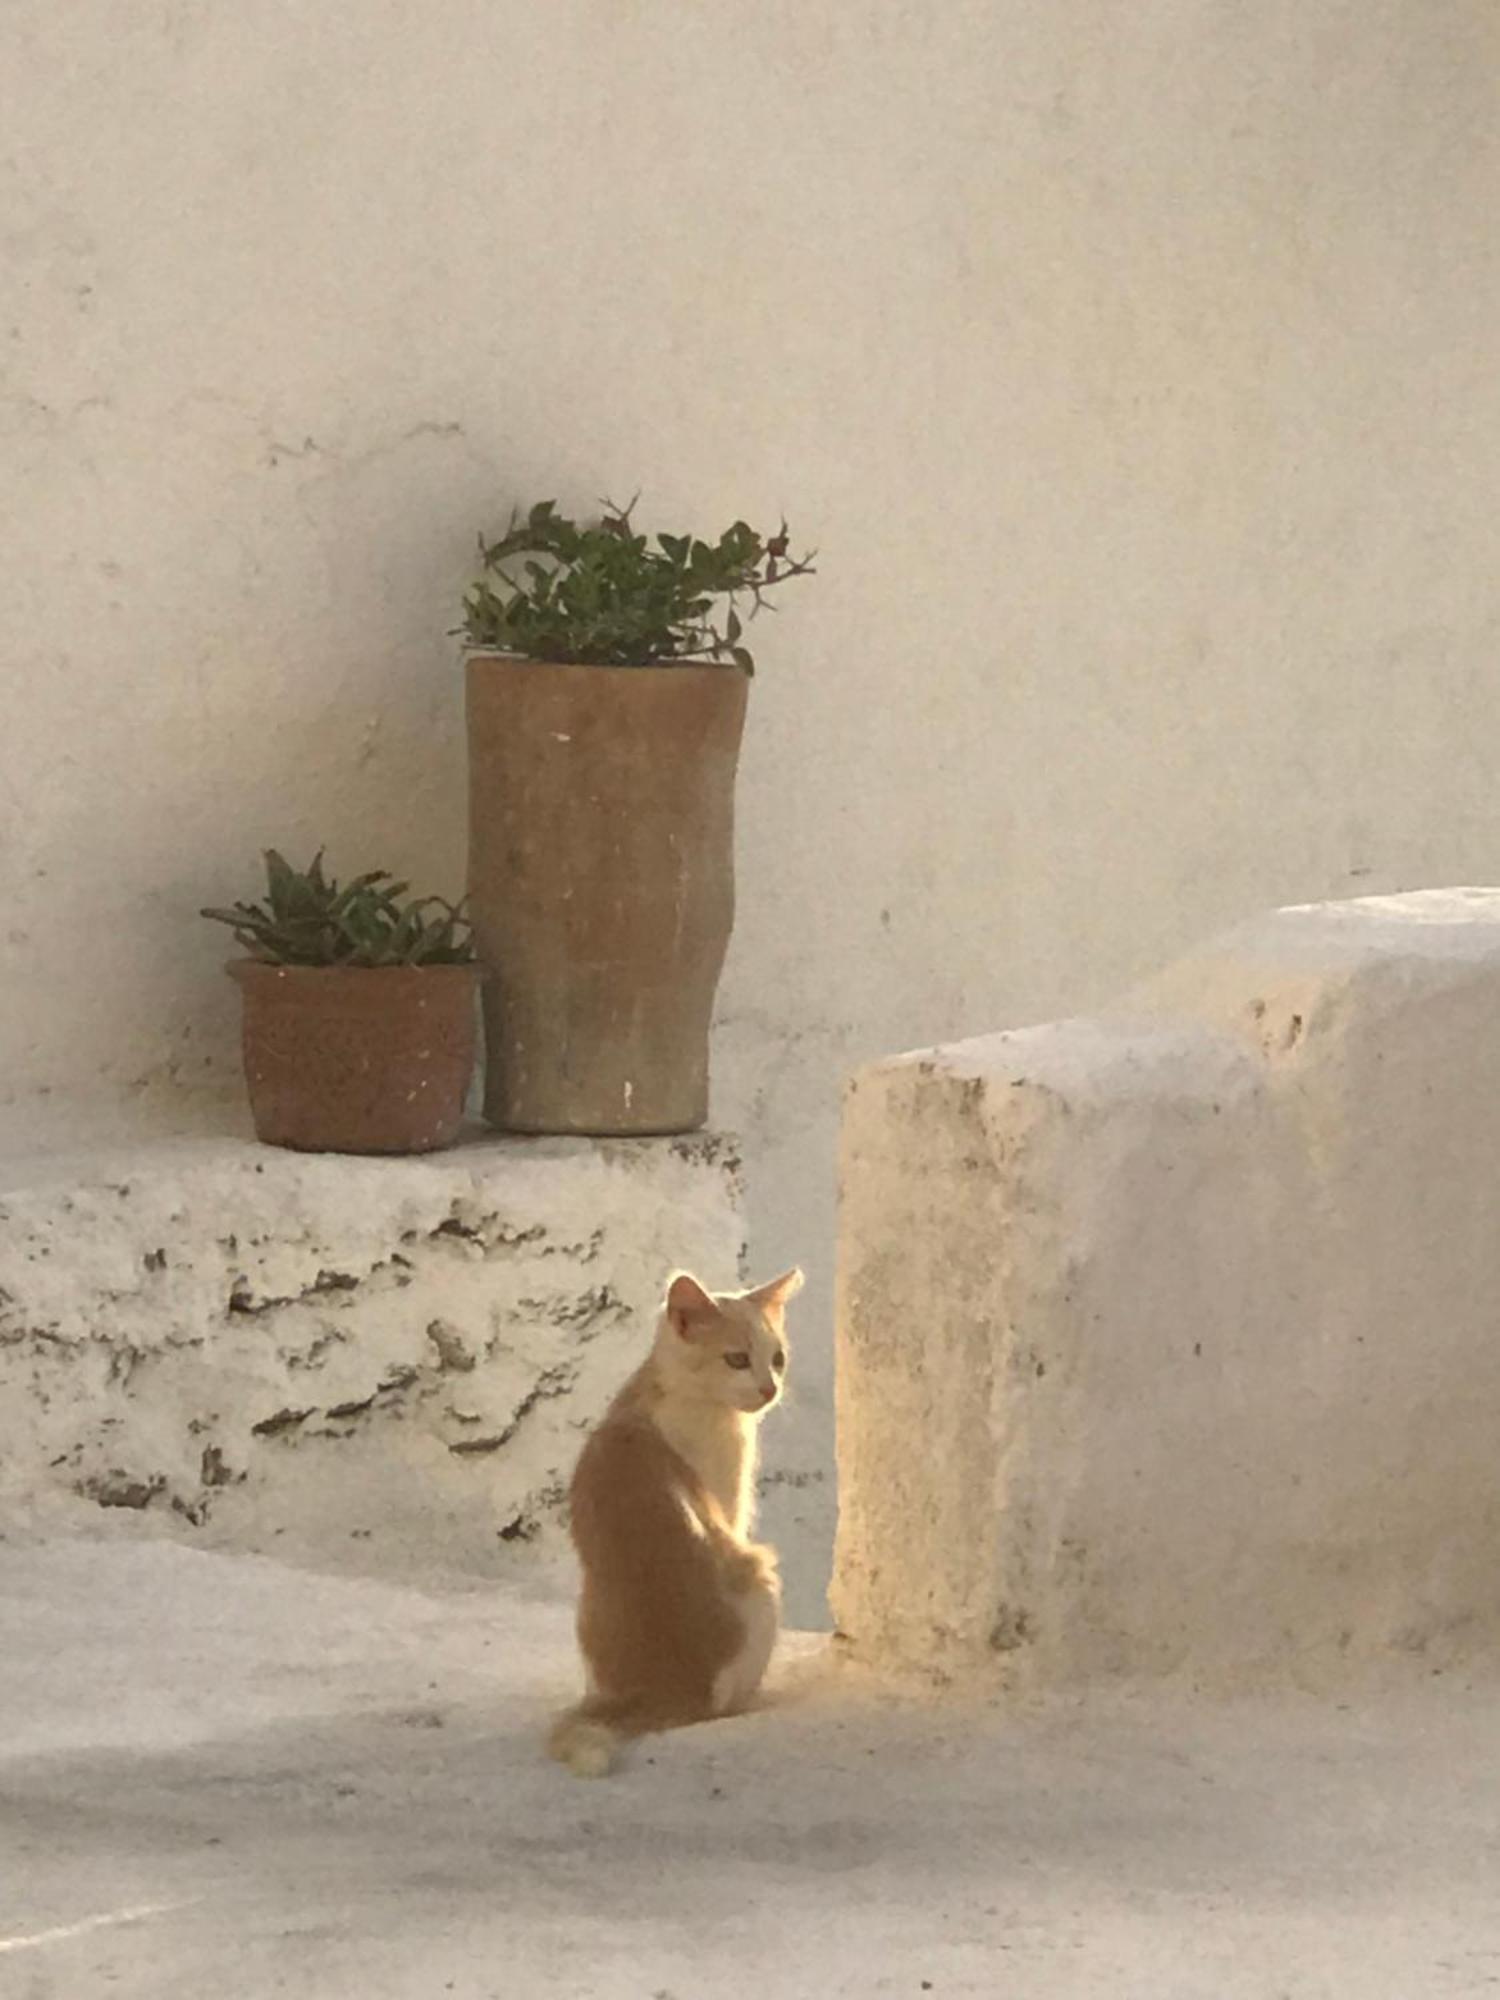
603,595
310,919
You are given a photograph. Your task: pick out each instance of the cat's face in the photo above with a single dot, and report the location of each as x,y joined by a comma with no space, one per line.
730,1347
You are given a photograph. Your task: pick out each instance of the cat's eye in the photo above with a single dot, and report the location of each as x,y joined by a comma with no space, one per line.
778,1359
736,1361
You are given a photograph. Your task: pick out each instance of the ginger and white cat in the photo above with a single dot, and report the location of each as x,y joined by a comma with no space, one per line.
680,1609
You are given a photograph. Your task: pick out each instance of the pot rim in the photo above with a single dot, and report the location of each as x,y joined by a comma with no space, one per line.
473,654
245,967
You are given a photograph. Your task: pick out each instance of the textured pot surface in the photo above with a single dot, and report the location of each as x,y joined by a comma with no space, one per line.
352,1059
601,886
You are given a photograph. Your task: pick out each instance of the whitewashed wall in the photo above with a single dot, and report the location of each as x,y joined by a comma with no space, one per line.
1132,367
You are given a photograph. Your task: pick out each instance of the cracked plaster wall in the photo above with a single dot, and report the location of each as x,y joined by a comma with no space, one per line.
1132,368
388,1362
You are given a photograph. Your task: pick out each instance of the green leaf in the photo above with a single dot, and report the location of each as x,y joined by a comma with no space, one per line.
599,592
312,921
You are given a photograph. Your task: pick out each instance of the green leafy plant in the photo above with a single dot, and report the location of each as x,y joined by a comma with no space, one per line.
309,919
604,595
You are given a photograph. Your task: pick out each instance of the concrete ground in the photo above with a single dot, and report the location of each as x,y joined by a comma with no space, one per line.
227,1777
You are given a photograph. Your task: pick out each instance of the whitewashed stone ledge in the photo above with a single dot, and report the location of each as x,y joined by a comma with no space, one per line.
262,1348
1169,1341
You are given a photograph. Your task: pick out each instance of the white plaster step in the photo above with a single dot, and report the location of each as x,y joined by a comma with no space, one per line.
382,1362
1193,1310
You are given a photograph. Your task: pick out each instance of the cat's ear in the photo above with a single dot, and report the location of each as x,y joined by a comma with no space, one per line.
689,1307
773,1296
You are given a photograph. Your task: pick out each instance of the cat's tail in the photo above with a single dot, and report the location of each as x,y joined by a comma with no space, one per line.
588,1739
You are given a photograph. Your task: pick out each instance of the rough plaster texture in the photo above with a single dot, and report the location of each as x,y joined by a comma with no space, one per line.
1133,368
1167,1340
383,1363
220,1775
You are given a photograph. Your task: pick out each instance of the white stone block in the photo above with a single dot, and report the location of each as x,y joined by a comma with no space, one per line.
1169,1341
387,1359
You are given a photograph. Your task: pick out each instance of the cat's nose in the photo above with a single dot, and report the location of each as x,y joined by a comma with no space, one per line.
768,1395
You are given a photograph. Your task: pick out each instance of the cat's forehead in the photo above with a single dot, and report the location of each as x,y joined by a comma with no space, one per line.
743,1316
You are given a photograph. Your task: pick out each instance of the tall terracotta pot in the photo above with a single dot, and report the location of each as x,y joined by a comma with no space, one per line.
601,887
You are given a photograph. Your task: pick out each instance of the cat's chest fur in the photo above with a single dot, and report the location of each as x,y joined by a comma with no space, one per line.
720,1446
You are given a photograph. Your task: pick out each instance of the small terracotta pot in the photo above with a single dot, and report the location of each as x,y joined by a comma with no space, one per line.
601,881
357,1059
